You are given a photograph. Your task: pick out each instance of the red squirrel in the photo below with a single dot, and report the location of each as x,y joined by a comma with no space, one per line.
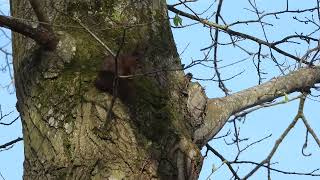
127,65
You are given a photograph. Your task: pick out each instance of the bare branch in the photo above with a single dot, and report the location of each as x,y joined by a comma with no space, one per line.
223,160
276,87
96,38
235,33
42,17
10,143
309,128
312,173
220,109
281,138
41,35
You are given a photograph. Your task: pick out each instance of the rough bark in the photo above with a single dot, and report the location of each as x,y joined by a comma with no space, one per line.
155,131
68,133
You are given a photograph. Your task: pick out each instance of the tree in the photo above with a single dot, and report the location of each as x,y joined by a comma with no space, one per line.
86,114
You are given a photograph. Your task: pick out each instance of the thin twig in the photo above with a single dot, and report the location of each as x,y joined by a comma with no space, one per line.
96,38
10,143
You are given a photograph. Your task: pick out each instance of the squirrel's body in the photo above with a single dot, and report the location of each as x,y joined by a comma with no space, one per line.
127,65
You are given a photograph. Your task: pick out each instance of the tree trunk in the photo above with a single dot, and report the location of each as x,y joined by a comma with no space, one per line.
75,130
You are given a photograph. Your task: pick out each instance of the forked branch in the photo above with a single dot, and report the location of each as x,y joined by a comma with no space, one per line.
220,109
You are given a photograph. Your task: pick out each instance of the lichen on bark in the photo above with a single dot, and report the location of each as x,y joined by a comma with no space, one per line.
68,130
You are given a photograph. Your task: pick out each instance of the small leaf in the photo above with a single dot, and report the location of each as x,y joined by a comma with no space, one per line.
286,98
213,168
177,21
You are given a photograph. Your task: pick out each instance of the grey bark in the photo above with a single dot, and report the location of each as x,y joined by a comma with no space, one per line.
67,131
157,133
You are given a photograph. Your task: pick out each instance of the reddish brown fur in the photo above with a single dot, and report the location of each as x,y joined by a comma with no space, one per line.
127,65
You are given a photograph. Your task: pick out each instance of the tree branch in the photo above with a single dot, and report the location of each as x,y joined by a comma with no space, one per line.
224,161
220,109
279,140
10,143
41,35
227,30
38,10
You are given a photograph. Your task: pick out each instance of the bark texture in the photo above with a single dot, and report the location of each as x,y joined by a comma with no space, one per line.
158,123
68,130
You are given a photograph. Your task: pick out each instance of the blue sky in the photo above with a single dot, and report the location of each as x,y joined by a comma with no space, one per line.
257,125
11,161
266,121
